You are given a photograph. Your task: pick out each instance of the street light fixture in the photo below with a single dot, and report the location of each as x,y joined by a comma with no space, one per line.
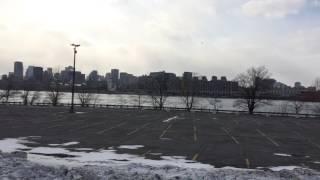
73,75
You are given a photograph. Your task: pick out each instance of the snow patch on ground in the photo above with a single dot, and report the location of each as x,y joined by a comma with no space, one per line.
65,144
14,167
10,145
107,164
279,168
130,146
52,155
70,143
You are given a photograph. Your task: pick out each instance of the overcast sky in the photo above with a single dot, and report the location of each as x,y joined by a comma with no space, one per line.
210,37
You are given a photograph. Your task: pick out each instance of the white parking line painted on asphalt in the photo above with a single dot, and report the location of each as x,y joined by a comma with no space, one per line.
195,157
138,129
247,163
232,137
111,128
195,138
314,144
307,139
165,131
267,137
60,125
87,126
170,119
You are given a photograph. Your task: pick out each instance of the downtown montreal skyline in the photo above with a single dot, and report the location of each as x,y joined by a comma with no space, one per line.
209,37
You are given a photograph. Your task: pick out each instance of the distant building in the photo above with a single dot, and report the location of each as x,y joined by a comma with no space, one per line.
204,78
38,73
66,76
11,75
214,78
93,76
223,78
4,77
298,85
187,76
18,70
127,81
115,77
34,73
48,75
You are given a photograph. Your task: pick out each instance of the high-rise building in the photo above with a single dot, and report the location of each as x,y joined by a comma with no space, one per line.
34,73
47,75
126,80
29,73
38,73
66,75
93,76
18,70
115,77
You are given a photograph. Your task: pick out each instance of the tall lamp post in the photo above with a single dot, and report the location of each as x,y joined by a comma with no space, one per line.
73,75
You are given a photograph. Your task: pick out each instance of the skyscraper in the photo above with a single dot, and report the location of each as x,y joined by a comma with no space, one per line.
115,77
18,70
34,73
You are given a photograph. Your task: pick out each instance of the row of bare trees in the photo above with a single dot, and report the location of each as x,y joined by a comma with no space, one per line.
252,85
54,94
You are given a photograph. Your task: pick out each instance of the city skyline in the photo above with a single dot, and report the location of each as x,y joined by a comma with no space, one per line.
209,37
112,72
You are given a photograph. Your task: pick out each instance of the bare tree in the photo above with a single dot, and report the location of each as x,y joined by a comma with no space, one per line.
86,98
251,86
29,97
54,92
7,92
189,89
297,106
158,90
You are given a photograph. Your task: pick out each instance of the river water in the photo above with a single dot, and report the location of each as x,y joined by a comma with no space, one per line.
176,101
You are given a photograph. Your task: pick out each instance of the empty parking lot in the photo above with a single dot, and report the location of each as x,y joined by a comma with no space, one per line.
237,140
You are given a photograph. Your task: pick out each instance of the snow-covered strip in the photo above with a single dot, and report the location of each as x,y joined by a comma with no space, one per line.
80,112
130,146
316,162
16,167
279,168
282,154
49,150
170,119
